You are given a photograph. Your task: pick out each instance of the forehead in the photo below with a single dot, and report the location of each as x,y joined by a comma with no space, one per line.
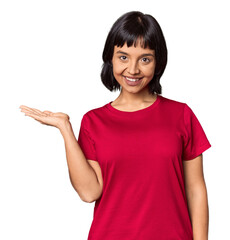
138,49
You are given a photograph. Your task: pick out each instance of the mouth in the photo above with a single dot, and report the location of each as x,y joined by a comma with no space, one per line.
132,79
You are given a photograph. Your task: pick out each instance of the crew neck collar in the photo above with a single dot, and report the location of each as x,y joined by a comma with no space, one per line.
137,112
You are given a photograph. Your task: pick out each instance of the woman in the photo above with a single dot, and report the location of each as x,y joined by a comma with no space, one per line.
132,154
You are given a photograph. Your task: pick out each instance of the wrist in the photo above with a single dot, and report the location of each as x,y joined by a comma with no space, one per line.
64,126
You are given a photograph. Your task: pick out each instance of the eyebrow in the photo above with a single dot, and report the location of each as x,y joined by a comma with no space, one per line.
143,55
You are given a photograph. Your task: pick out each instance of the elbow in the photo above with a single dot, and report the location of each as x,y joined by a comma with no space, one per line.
85,198
88,196
88,200
91,198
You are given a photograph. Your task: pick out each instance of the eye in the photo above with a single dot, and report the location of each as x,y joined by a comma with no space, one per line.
146,60
123,57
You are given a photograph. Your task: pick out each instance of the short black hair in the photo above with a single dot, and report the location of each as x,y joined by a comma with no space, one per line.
128,28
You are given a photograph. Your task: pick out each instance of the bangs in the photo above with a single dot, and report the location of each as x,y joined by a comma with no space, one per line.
135,32
134,28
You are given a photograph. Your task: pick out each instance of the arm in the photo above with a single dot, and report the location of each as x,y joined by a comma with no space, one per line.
85,176
82,175
197,199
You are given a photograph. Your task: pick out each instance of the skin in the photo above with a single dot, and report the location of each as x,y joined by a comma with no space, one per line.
46,117
129,61
85,174
196,193
134,62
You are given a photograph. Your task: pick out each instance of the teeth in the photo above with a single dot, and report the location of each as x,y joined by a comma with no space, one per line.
132,80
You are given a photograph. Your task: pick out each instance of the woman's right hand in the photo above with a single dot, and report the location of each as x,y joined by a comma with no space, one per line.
46,117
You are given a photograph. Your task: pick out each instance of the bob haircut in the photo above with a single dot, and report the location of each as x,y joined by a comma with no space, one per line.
129,28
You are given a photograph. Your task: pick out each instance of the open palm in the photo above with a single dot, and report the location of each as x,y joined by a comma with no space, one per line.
45,117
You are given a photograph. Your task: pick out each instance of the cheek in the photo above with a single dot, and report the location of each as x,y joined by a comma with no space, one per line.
118,68
149,72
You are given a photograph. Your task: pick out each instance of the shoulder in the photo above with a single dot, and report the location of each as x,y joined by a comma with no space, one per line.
95,112
172,104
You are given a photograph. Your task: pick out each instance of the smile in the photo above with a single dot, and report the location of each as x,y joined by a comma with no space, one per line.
132,79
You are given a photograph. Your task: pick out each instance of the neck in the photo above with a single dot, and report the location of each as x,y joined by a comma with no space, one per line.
126,97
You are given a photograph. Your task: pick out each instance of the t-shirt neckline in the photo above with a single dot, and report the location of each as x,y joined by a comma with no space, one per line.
140,111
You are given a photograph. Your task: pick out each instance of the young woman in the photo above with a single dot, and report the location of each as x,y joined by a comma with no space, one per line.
139,156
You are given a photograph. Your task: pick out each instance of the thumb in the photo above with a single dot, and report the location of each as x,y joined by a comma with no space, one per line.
48,112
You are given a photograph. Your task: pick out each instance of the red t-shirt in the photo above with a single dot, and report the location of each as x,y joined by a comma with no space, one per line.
140,154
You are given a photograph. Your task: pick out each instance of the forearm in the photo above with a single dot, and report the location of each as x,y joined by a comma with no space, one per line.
82,176
199,212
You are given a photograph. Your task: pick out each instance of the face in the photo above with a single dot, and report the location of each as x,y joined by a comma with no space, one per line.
133,67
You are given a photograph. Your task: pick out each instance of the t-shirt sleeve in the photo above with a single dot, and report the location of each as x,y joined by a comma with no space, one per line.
195,139
85,141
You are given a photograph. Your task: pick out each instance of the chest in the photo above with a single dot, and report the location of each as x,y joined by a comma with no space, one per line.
141,143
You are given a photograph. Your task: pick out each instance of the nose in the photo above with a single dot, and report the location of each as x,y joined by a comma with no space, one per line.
133,68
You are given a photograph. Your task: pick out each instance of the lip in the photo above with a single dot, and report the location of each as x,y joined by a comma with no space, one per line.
133,83
132,77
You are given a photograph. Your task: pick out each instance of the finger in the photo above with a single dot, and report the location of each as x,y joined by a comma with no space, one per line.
23,106
36,117
28,108
33,110
27,111
38,111
33,115
47,112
